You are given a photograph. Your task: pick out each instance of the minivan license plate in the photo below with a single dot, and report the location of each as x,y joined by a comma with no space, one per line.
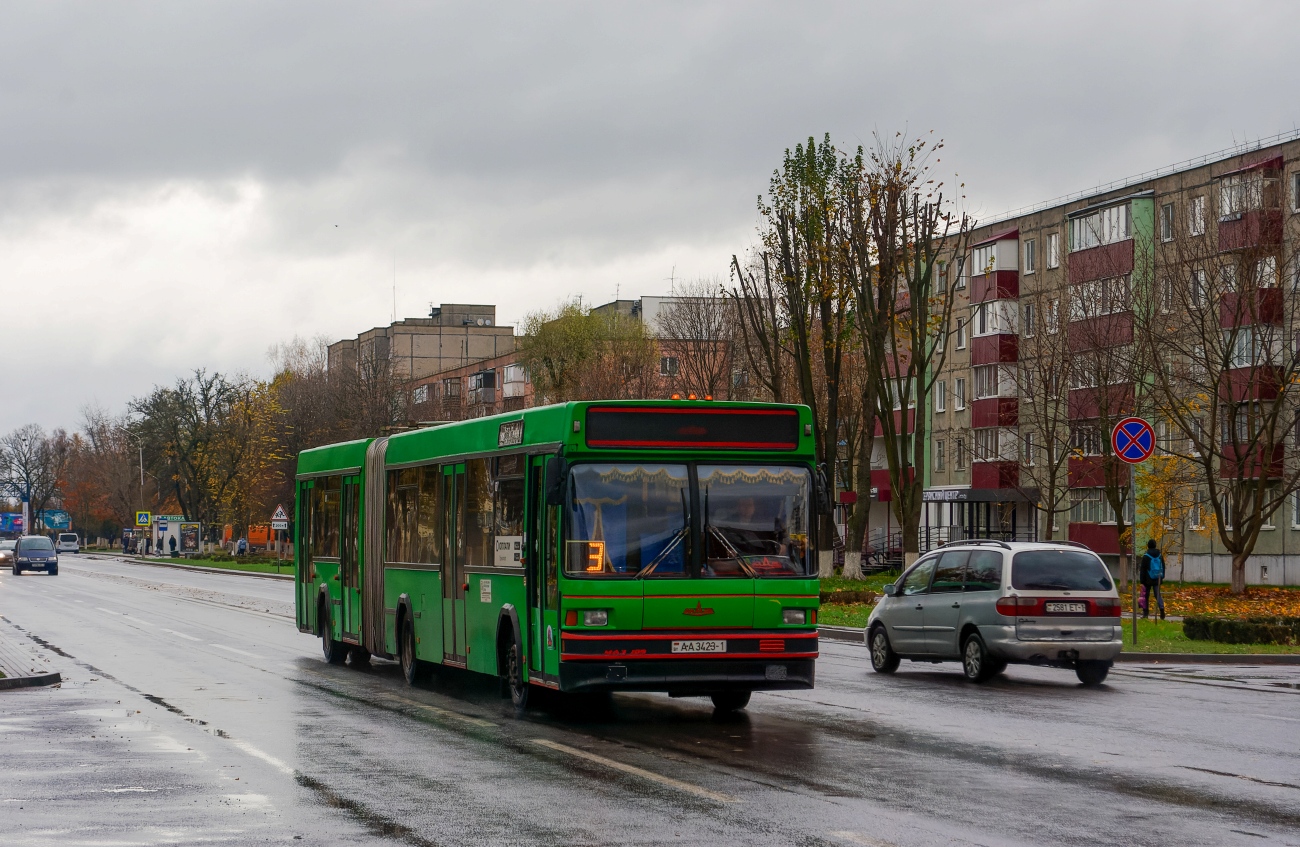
699,646
1079,608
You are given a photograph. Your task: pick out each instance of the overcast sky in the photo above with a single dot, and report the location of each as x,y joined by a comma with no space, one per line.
183,185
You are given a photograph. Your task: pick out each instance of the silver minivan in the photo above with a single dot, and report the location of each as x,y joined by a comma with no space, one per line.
988,603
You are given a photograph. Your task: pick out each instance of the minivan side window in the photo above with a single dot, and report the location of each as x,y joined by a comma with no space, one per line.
951,572
917,580
984,572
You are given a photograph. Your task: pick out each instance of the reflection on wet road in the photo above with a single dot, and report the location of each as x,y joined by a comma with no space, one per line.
193,712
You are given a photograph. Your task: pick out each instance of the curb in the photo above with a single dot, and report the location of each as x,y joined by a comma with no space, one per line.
854,635
11,682
199,568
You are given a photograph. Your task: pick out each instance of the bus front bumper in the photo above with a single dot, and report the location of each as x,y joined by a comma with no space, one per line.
688,676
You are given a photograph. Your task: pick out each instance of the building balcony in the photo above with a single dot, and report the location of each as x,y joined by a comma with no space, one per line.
898,424
995,411
1240,385
1104,262
1250,307
997,475
1100,332
1088,403
1252,229
1246,462
995,285
1097,537
994,349
1090,471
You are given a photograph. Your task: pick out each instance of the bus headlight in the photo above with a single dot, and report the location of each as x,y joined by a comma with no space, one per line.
794,616
595,617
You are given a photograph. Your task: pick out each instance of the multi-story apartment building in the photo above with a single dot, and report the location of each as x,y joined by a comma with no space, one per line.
453,335
1079,312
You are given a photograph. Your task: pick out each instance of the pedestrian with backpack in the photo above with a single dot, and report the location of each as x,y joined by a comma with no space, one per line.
1152,573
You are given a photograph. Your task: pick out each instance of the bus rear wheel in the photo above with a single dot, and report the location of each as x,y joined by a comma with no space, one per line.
730,701
336,652
412,668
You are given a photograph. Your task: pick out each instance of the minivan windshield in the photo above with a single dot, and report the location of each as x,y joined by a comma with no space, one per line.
36,544
1058,570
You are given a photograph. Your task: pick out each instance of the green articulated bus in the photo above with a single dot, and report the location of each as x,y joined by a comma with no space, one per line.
629,545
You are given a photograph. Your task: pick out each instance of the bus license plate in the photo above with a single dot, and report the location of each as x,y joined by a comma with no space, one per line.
699,646
1079,608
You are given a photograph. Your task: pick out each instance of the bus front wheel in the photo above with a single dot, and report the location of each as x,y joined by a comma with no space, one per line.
730,701
519,688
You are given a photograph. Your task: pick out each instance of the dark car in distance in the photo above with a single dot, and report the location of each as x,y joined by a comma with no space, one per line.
35,553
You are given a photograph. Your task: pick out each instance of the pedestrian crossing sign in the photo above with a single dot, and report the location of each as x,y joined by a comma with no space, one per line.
143,518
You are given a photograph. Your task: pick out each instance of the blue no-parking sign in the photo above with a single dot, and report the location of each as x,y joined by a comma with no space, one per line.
1133,440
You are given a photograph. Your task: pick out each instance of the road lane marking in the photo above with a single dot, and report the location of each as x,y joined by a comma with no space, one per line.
125,615
442,713
866,840
182,635
698,791
235,650
1279,718
264,756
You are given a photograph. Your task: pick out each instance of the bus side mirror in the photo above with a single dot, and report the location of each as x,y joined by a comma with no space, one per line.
557,472
822,491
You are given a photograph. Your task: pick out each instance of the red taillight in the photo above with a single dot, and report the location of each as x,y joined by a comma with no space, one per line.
1012,606
1104,607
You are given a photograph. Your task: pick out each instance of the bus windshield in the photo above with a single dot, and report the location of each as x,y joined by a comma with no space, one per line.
755,520
629,520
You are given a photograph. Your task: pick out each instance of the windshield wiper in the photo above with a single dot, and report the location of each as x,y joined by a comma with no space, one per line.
672,545
731,550
1049,586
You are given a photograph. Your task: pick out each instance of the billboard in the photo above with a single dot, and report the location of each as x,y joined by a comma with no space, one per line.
11,523
54,519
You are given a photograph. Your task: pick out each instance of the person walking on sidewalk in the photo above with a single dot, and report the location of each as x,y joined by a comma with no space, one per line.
1152,574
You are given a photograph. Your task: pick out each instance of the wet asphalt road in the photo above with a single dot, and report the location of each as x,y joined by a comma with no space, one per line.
193,712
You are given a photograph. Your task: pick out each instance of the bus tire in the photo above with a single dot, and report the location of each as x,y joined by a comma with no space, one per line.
336,652
514,673
412,668
730,701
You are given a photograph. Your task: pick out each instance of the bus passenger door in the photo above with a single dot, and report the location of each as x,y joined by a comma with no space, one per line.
349,565
543,587
453,570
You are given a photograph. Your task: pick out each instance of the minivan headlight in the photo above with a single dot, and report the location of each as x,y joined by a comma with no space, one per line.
595,617
794,616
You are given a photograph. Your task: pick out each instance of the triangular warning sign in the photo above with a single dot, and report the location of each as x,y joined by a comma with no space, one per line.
280,514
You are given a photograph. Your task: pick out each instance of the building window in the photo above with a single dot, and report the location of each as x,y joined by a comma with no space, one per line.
1200,290
1167,222
1028,446
961,334
1265,275
1031,257
1166,296
1104,226
941,396
941,277
1196,216
420,394
993,381
1228,275
1246,192
984,259
1099,297
1054,250
986,445
1196,512
1028,320
1085,440
958,394
668,366
938,455
1053,316
1295,191
960,455
1085,505
996,317
1295,511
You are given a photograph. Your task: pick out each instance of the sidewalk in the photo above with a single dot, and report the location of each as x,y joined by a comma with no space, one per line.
162,563
19,667
854,635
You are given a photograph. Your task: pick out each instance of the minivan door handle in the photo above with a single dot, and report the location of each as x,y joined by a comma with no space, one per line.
956,605
919,607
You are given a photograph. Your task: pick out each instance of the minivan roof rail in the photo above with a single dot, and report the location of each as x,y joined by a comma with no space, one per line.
1004,545
1069,543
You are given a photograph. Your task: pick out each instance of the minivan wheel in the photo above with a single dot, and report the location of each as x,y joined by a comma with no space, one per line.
1091,671
975,662
883,657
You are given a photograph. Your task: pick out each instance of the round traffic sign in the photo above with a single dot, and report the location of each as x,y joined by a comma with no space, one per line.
1133,440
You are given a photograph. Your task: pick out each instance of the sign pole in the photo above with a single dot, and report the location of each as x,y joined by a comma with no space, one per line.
1132,548
1133,441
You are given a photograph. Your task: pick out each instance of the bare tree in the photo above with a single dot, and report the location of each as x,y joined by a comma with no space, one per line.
32,465
1221,335
695,332
762,324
